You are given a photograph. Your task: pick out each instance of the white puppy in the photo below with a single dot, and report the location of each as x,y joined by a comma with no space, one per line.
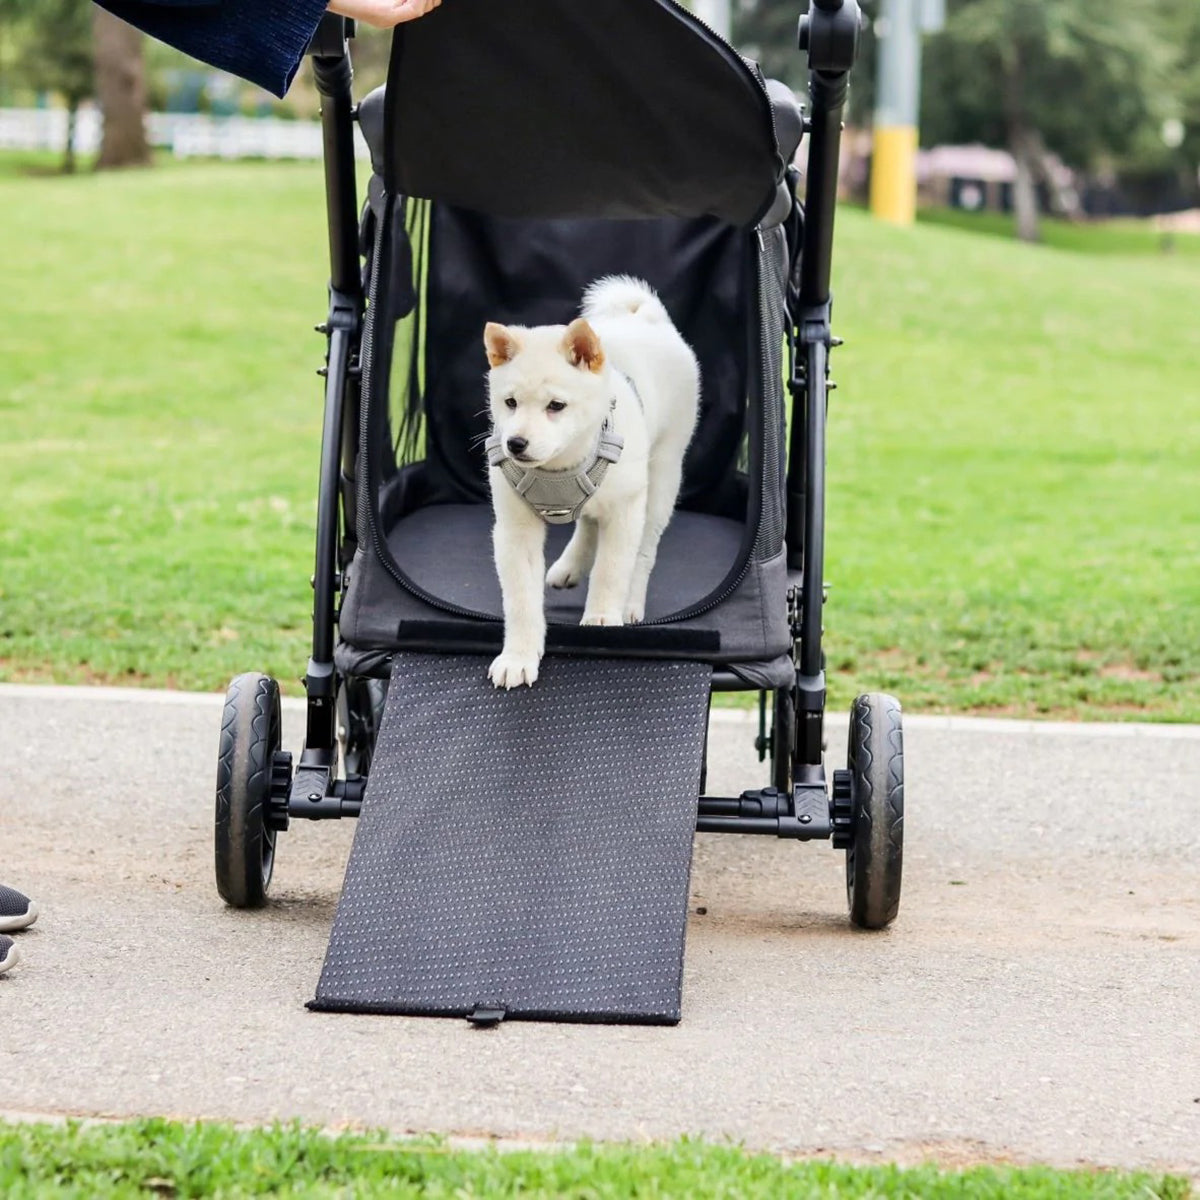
562,402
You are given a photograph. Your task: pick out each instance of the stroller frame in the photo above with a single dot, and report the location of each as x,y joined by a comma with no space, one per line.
858,809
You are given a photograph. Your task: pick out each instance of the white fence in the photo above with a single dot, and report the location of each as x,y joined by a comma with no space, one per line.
186,135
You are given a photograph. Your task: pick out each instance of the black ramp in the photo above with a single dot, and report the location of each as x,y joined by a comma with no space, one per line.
524,852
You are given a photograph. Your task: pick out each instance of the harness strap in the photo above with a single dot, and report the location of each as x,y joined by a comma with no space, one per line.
558,497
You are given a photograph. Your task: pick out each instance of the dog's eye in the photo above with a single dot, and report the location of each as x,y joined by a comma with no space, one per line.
511,402
555,406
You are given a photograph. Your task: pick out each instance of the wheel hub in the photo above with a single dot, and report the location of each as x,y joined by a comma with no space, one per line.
281,786
841,809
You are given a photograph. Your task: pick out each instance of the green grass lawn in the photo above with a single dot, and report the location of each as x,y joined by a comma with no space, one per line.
1014,450
162,1158
1120,236
162,420
1015,476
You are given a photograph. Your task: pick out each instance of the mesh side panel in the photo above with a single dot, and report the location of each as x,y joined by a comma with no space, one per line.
772,262
392,430
371,374
401,401
406,389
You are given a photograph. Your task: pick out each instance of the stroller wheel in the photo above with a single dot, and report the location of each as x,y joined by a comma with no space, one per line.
244,842
875,851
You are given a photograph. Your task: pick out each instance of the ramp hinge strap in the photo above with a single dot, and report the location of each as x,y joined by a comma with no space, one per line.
486,1017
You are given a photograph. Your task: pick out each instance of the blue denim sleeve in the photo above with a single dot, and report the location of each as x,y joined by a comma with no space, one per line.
260,40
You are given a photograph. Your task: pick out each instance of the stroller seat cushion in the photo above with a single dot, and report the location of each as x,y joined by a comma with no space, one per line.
446,550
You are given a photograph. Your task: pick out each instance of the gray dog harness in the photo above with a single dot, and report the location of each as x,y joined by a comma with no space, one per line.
558,497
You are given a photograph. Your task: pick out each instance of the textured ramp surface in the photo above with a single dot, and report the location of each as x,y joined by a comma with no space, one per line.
528,850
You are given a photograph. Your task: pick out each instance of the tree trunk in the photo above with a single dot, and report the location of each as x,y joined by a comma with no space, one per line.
1062,198
121,92
68,165
1021,142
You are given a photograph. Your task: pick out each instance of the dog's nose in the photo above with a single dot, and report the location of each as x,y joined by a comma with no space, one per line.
517,445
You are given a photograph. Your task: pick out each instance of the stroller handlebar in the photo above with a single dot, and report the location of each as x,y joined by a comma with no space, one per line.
329,39
828,33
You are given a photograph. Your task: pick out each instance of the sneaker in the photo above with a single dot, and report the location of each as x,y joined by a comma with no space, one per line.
8,953
16,911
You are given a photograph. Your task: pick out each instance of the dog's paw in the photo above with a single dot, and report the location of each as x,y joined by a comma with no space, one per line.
510,670
634,614
602,619
563,574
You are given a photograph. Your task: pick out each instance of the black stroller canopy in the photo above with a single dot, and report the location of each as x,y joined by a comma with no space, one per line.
566,108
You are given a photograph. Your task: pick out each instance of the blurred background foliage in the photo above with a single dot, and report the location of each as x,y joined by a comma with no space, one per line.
1111,91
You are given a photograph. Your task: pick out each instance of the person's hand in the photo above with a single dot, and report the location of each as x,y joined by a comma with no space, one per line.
383,14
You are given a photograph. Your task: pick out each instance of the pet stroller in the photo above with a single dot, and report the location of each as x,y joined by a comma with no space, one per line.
518,152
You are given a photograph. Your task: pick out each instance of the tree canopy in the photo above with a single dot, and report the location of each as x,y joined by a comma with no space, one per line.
52,46
52,52
1089,81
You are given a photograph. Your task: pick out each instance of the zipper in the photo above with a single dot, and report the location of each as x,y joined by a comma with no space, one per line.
366,363
383,552
728,51
720,597
756,81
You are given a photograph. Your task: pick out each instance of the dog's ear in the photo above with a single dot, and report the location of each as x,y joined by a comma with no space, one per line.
501,343
582,347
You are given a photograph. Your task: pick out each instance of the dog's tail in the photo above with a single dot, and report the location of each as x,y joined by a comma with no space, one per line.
621,295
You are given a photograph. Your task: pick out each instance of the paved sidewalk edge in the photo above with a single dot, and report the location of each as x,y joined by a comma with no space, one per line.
946,723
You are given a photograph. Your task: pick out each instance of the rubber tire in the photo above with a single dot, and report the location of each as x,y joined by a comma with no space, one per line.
784,738
251,733
874,860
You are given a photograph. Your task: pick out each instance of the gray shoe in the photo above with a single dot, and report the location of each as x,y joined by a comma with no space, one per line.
8,953
16,911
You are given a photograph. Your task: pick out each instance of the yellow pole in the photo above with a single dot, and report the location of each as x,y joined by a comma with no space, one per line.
894,174
898,30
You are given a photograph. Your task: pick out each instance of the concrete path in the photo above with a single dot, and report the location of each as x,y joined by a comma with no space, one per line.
1038,998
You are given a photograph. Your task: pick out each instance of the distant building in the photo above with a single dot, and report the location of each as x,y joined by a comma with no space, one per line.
978,178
